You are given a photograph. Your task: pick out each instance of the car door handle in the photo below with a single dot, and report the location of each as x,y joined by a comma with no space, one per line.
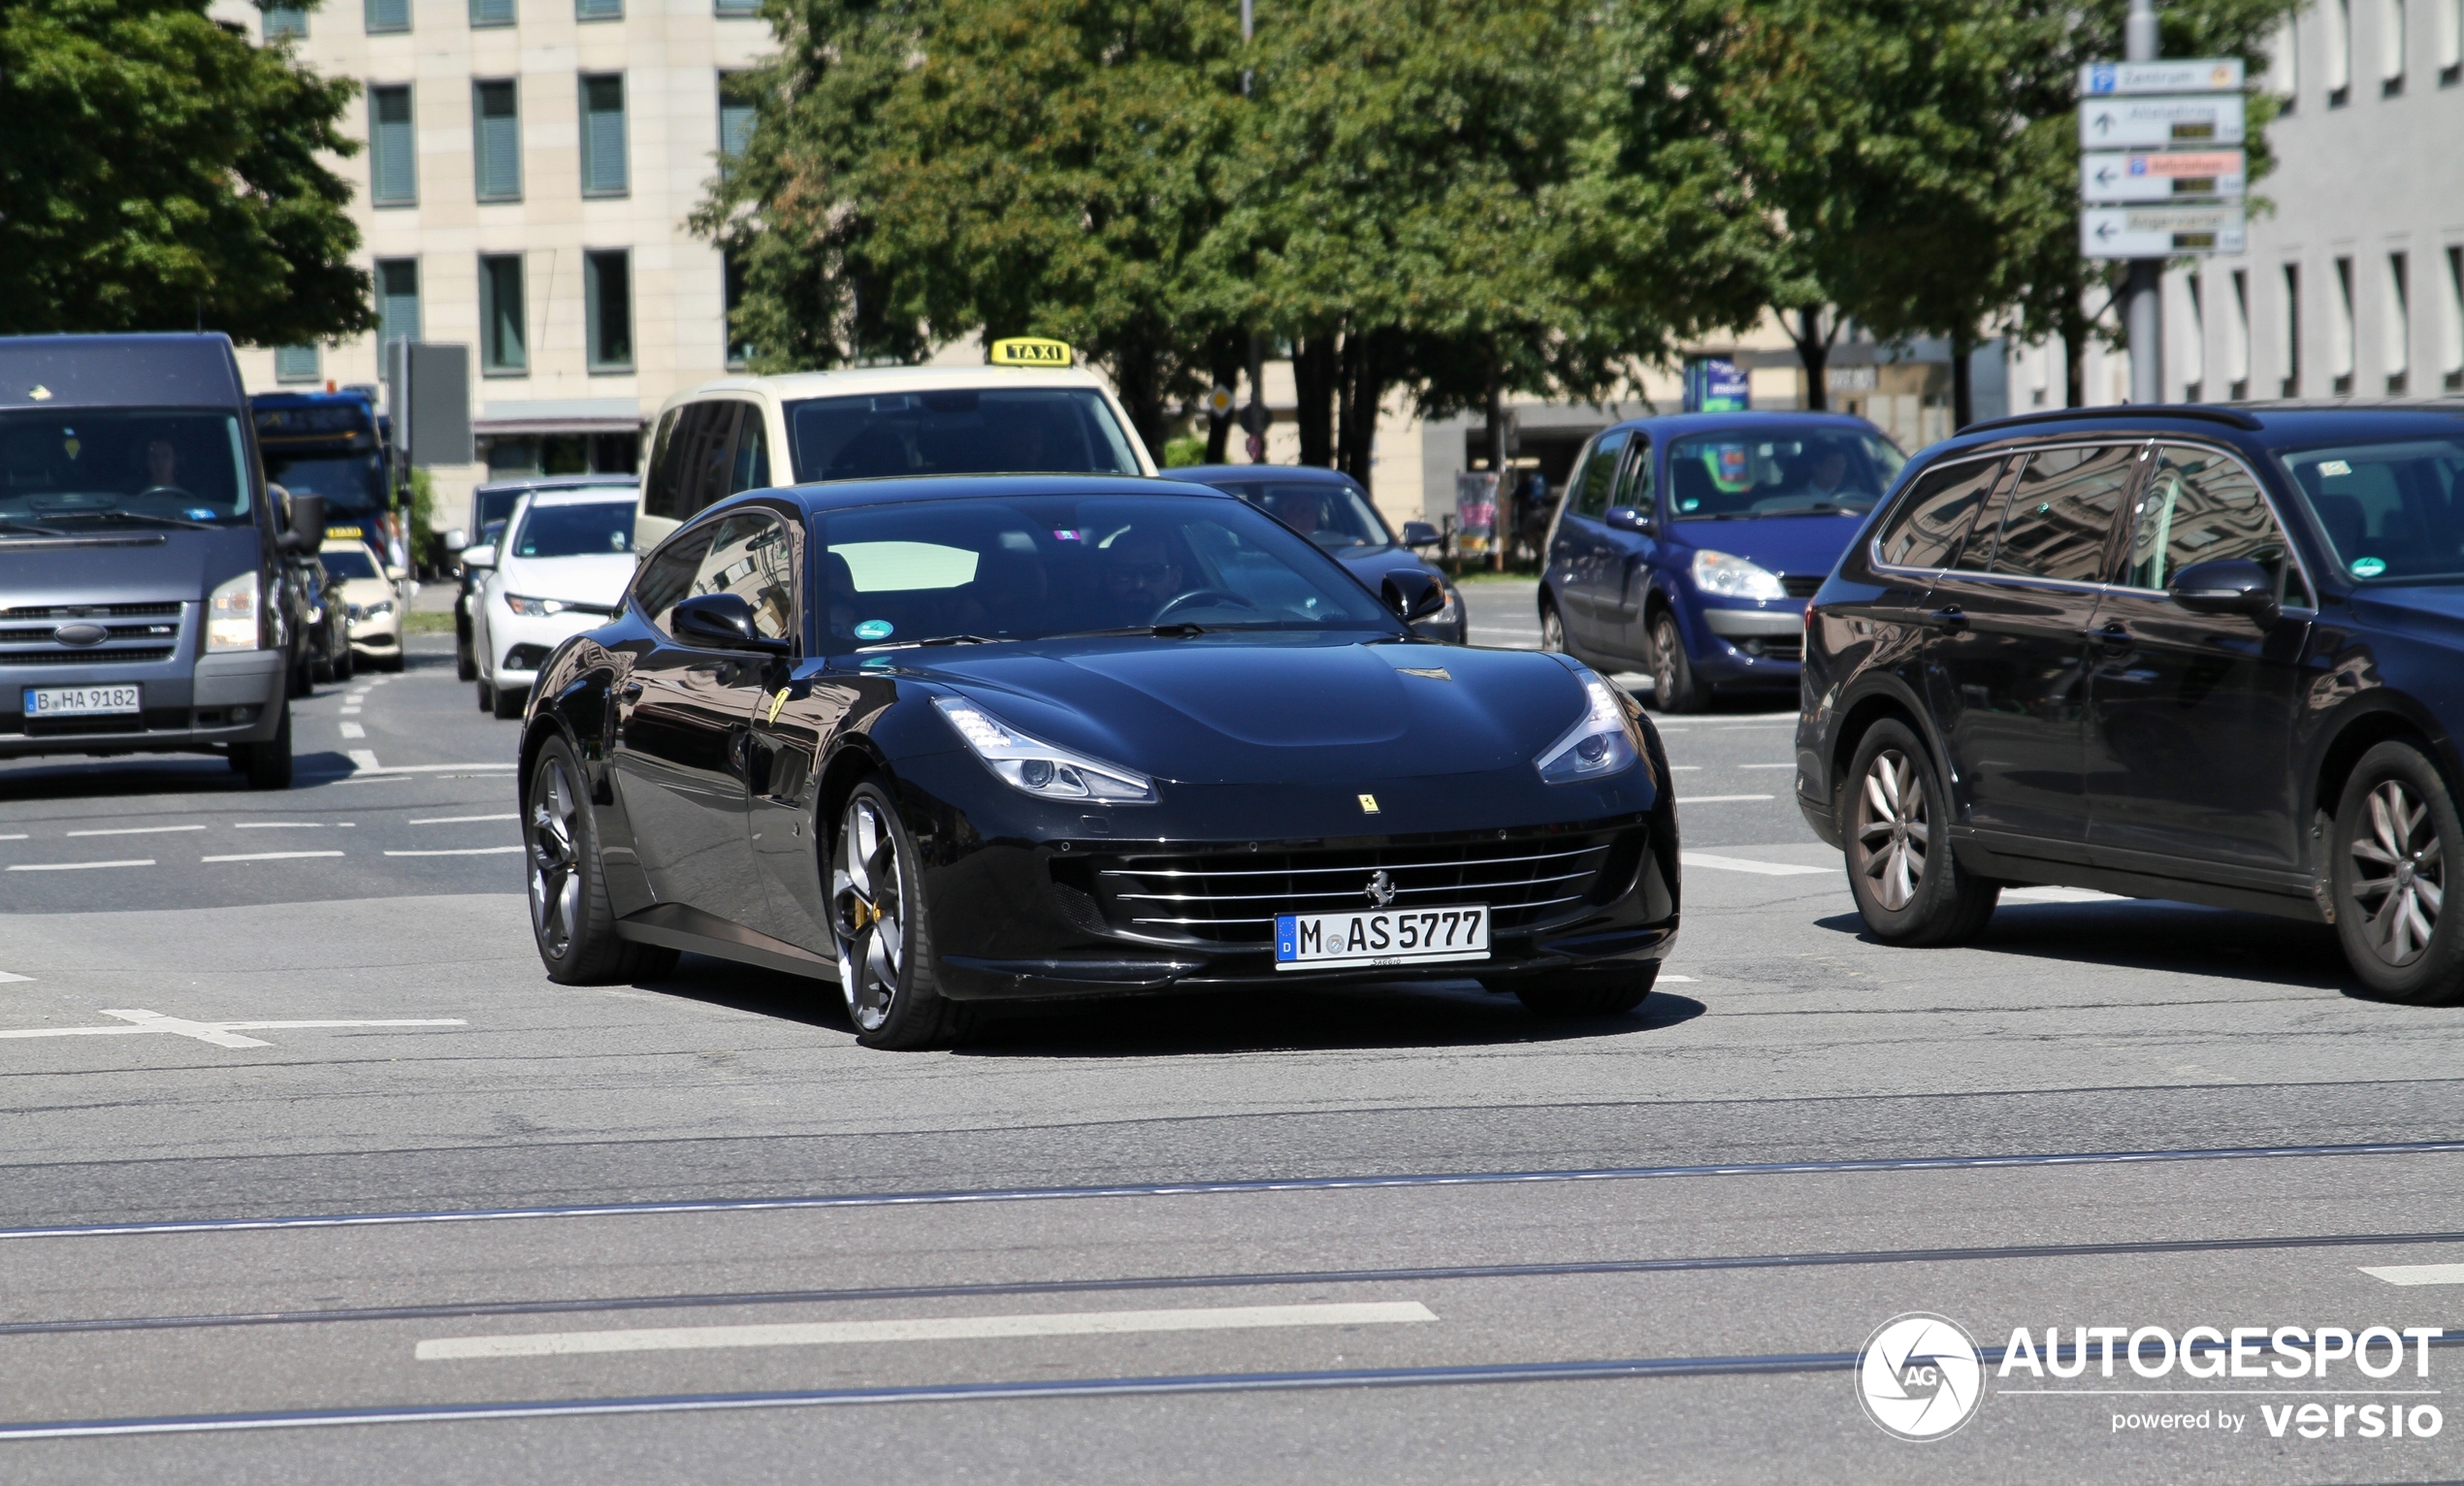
1952,618
2111,636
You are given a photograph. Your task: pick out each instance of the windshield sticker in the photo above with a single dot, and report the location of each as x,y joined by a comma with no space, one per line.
70,445
1069,537
2368,566
1689,505
874,629
2334,467
198,513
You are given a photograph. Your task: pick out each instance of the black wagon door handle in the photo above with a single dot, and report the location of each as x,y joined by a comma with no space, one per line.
2112,636
1952,618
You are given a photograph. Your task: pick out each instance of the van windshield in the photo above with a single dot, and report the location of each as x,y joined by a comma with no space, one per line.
963,431
87,470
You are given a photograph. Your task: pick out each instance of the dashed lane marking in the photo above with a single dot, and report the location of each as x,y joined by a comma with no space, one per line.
461,819
1748,864
1082,1323
2417,1274
269,856
77,866
466,851
133,830
353,730
277,825
221,1034
1717,799
6,977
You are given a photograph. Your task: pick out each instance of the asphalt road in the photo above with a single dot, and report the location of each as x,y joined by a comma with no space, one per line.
310,1175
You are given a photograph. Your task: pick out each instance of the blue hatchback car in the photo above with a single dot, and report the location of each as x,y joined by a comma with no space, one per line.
1687,546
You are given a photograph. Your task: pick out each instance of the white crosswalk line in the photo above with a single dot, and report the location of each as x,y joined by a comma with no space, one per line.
1748,864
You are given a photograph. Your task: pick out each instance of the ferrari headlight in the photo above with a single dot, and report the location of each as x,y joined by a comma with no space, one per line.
533,609
231,615
1042,768
1733,577
1601,744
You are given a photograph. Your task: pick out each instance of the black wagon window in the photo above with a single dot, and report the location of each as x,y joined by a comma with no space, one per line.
1928,526
2060,514
2203,506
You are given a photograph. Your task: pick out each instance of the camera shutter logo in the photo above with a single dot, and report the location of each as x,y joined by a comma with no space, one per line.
1919,1377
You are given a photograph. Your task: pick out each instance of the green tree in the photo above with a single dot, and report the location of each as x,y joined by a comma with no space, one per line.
925,169
161,172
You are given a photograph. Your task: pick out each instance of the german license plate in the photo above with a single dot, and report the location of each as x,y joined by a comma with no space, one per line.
81,701
1385,936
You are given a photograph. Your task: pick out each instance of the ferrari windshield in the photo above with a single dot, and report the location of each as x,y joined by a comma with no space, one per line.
1811,469
963,431
1038,566
2394,509
89,469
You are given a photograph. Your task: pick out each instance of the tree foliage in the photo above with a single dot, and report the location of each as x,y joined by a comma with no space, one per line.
160,172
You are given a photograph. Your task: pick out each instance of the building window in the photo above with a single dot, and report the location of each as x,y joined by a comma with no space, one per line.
2237,332
2284,65
2193,339
393,149
504,349
2338,13
607,282
495,136
739,7
2447,33
2396,312
2290,353
736,114
2451,354
739,351
384,15
491,13
2339,353
603,135
397,300
2390,47
284,20
295,364
599,10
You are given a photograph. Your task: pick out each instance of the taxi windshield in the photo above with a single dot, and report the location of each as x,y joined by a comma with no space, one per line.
1334,516
1035,567
963,431
585,529
2393,509
350,562
85,470
1807,471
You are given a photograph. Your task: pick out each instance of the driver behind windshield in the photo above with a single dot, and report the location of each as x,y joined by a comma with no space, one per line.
1140,577
162,465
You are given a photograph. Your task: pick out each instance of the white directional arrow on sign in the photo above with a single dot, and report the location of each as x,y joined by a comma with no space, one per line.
2156,176
2160,123
2159,232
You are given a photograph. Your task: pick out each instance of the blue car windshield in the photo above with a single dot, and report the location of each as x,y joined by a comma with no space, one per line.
1034,567
1804,471
2394,510
87,470
1335,517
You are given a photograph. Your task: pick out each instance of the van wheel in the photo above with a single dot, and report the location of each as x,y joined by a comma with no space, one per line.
1909,887
1675,686
2394,826
268,764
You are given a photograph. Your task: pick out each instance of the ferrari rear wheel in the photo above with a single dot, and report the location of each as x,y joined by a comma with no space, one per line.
886,965
571,918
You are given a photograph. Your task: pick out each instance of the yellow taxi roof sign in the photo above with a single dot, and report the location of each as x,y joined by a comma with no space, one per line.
1030,351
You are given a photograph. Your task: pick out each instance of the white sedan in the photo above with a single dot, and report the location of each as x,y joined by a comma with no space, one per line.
377,596
559,568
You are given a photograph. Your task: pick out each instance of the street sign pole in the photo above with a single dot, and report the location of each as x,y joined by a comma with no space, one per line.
2143,306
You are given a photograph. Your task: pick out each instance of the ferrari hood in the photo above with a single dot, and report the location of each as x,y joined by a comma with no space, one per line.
1271,708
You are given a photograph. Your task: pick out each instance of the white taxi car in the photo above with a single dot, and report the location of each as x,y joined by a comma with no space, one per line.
559,568
1029,409
375,596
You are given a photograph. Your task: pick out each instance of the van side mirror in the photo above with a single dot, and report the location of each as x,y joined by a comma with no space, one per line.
722,621
1420,533
308,524
2227,586
1412,593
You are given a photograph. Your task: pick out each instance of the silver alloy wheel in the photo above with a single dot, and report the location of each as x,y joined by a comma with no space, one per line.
1892,829
867,904
2399,874
556,864
1665,641
1552,629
